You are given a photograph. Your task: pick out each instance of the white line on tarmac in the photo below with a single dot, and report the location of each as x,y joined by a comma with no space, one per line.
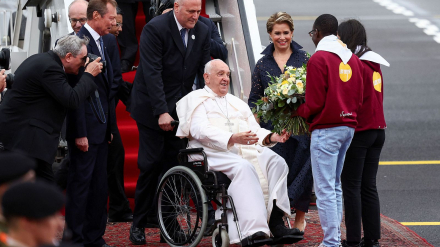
428,28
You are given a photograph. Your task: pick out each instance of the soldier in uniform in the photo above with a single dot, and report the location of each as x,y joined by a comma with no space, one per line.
14,167
32,212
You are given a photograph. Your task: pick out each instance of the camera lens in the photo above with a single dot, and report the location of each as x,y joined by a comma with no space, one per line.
9,80
5,59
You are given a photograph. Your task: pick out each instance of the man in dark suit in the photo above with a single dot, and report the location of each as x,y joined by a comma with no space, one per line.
127,40
33,111
174,47
88,134
119,206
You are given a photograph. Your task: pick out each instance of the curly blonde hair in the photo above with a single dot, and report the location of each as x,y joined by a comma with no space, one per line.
278,18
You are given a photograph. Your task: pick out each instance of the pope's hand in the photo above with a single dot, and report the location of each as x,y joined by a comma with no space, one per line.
165,122
280,138
244,138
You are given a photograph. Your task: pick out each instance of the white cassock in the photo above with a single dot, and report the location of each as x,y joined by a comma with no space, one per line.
258,174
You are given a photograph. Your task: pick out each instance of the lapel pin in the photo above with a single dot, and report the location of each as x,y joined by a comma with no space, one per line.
193,37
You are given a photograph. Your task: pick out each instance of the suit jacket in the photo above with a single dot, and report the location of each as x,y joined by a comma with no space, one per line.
218,49
120,89
166,69
82,122
33,111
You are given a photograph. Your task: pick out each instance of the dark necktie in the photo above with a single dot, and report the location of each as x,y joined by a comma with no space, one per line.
182,35
102,48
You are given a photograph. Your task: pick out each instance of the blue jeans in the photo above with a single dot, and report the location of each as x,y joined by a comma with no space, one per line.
327,149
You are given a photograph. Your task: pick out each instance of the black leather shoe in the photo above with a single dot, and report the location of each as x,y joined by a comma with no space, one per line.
282,230
257,239
258,236
127,218
137,235
369,243
344,243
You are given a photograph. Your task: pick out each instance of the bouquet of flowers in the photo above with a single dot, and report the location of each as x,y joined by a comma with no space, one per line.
284,94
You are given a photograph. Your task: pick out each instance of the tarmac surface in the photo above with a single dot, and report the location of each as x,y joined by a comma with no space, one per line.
407,34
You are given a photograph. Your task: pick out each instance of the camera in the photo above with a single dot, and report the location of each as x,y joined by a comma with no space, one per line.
93,57
5,59
9,80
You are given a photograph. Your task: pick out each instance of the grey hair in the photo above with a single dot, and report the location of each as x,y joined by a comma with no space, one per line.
70,44
76,1
208,66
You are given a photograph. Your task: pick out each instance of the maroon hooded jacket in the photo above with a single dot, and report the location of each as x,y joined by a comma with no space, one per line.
371,115
333,97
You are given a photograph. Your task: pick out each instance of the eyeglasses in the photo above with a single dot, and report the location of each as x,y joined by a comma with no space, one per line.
313,32
119,24
73,21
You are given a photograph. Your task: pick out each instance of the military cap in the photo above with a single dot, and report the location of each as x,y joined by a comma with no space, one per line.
14,165
32,200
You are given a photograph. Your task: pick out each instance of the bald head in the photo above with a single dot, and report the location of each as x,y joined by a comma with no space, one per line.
78,14
187,12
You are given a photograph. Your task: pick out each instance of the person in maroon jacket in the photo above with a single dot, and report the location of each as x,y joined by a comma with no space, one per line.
333,98
361,200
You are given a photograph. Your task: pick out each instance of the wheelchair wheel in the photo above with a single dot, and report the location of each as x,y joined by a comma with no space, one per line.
220,240
182,211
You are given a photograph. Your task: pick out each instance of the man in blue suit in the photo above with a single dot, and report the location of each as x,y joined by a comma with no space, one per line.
88,134
174,47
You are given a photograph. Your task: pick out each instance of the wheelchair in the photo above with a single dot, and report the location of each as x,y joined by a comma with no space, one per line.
184,193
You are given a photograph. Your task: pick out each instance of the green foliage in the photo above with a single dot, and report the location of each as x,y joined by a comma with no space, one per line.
283,96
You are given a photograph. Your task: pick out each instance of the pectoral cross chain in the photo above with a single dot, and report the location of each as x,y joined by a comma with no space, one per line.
228,123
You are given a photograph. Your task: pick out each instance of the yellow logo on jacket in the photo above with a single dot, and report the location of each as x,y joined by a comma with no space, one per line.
377,81
345,72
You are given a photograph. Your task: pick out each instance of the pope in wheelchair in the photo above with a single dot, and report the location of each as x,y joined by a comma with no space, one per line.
235,144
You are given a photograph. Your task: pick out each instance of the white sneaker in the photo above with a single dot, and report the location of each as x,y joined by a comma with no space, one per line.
323,245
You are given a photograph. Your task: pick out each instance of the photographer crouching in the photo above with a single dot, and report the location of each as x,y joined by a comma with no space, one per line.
33,110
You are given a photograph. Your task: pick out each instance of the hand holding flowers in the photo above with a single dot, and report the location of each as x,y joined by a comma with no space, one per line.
281,99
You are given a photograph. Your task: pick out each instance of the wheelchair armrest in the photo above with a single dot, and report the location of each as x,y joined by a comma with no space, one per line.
191,150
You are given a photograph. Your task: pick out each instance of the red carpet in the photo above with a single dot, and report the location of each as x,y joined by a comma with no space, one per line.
393,234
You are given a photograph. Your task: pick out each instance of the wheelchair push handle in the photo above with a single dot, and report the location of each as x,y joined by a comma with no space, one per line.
174,123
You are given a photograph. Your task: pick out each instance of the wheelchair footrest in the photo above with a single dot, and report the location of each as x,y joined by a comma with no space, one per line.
288,239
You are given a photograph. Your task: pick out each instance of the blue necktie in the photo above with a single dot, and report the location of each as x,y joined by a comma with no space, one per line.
182,35
102,48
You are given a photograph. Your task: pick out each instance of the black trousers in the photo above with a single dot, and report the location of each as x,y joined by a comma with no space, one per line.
119,206
127,39
44,171
361,200
157,154
86,207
